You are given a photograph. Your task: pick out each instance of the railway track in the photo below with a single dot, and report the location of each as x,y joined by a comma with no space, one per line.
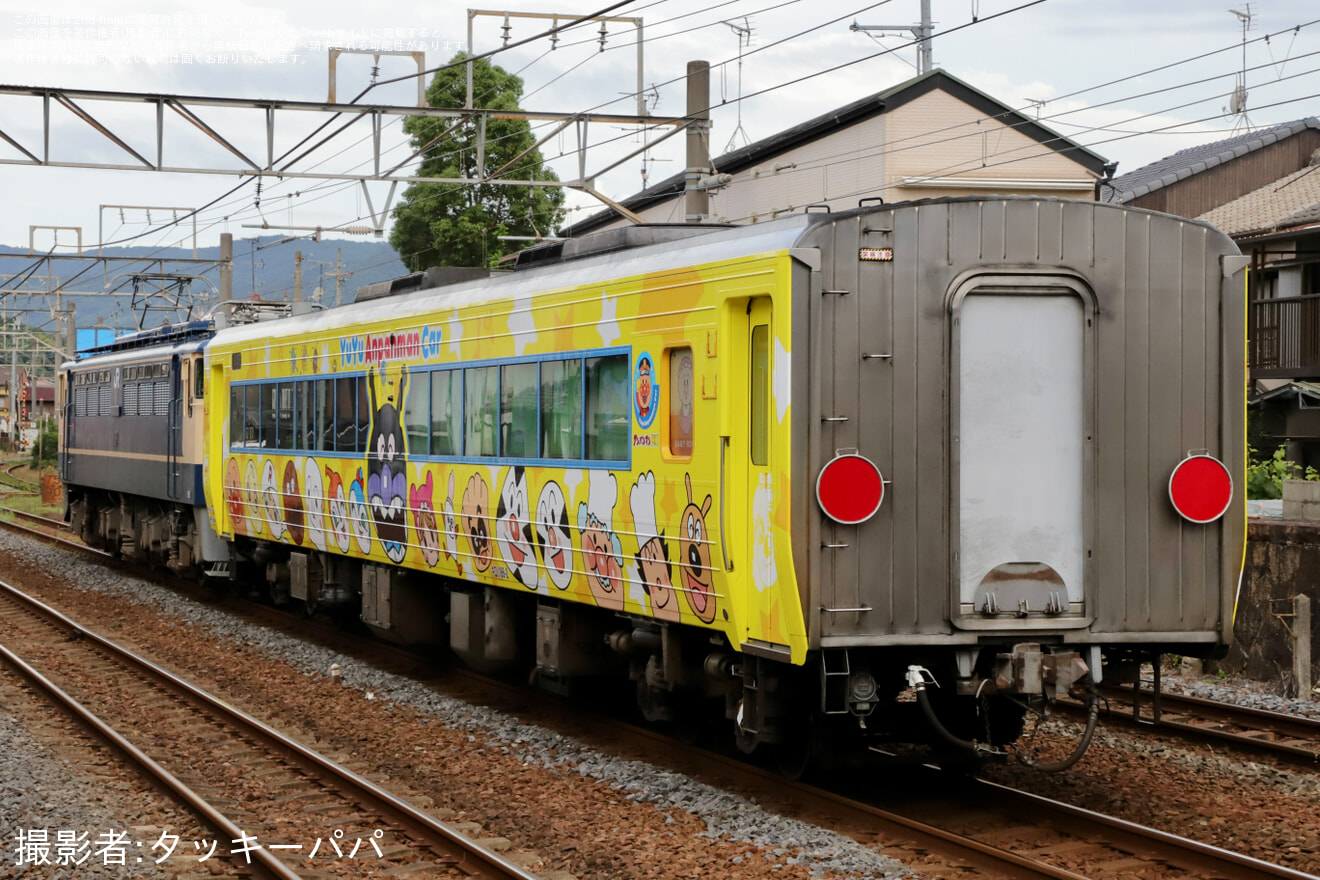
979,829
44,522
193,745
9,480
1291,738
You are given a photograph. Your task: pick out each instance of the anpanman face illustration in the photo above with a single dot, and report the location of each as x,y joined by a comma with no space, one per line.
476,513
694,557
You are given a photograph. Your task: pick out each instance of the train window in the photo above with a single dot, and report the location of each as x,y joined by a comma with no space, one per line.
363,414
481,395
416,413
608,411
346,393
561,409
284,425
235,414
252,415
682,378
199,379
325,415
268,410
760,400
518,410
446,412
304,408
131,399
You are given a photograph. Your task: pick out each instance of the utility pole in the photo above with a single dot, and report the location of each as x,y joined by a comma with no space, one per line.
297,276
696,198
226,267
339,277
923,32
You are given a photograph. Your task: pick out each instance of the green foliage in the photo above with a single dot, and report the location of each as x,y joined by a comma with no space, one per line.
46,448
442,224
1265,476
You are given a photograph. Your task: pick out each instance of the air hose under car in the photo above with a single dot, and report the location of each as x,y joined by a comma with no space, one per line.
917,678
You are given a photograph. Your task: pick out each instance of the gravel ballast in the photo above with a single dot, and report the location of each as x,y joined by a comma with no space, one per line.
726,816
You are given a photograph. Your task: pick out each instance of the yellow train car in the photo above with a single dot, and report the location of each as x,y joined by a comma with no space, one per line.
569,433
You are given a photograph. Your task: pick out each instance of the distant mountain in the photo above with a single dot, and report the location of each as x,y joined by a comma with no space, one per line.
268,272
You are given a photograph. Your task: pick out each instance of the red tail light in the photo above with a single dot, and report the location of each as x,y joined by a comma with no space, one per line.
850,489
1201,488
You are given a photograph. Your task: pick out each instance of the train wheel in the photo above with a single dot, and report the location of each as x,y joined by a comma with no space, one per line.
799,755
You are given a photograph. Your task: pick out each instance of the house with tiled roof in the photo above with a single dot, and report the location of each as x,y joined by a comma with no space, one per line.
932,135
1262,187
1199,179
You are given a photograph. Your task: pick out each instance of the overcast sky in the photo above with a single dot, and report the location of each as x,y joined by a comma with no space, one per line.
1060,52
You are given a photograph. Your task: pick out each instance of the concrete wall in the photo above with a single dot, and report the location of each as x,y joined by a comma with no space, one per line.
1283,560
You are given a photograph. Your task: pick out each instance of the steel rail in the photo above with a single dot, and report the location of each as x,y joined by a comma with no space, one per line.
462,853
265,864
1211,860
36,518
1295,738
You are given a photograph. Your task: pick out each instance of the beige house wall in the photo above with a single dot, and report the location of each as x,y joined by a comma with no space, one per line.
938,136
933,136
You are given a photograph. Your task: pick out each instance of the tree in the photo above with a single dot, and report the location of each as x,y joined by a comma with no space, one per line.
448,224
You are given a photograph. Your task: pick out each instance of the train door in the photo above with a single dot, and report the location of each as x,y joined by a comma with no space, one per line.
1023,449
760,580
66,425
174,432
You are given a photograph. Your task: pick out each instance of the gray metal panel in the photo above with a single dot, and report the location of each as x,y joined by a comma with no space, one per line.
1166,381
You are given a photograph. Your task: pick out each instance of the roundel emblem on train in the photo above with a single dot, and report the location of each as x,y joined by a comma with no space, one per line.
850,489
646,393
1201,488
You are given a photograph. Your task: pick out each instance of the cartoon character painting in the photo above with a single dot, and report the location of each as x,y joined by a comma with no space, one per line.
694,557
293,503
252,499
234,496
513,528
553,536
602,552
359,519
338,505
653,566
476,511
271,501
315,495
647,398
451,527
423,511
387,481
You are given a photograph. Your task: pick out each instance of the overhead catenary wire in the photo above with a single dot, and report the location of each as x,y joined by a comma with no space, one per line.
1234,46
